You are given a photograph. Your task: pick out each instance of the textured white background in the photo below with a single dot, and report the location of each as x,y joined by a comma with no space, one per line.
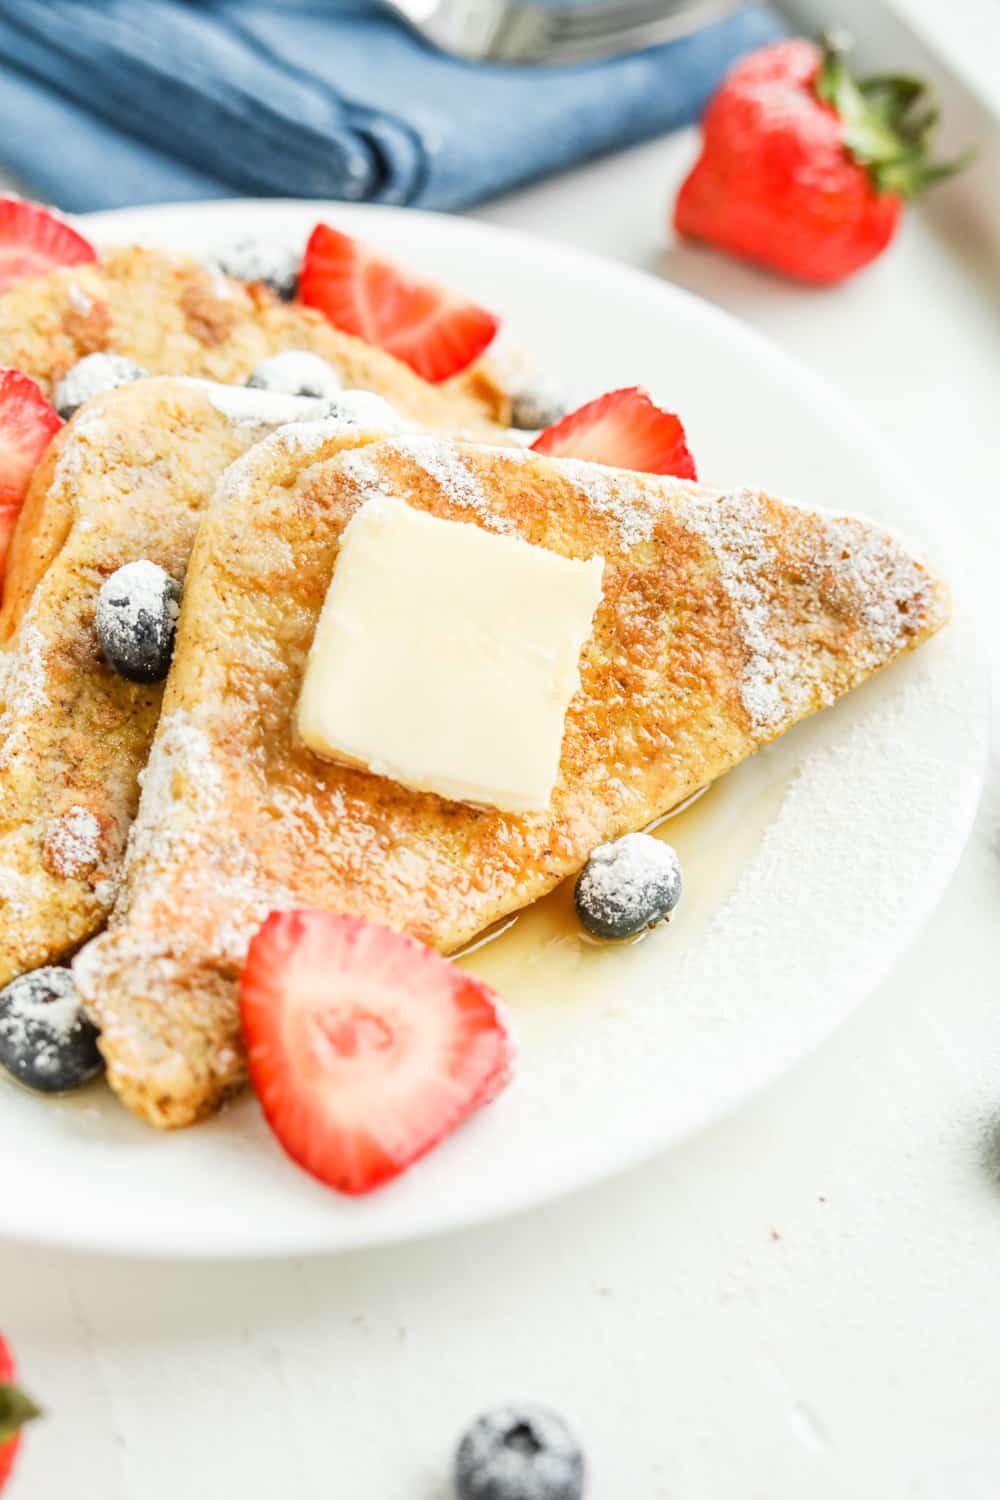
804,1301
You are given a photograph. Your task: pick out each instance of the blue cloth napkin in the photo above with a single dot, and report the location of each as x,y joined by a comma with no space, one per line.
105,103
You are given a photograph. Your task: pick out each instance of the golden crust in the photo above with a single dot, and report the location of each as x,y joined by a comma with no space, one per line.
127,479
174,316
724,620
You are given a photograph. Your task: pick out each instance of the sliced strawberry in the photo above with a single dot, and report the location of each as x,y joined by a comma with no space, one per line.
365,1048
33,241
435,331
623,429
27,426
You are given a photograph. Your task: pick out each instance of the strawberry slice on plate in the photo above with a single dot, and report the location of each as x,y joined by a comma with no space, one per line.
365,1047
27,425
435,331
624,429
33,241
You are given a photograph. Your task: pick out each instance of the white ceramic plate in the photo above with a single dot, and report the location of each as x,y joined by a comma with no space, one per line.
809,869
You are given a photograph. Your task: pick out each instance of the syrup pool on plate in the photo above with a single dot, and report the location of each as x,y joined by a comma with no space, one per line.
545,965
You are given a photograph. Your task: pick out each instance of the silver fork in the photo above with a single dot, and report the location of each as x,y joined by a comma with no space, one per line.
501,32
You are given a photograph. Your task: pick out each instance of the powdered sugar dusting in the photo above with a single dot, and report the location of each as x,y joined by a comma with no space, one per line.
439,459
844,783
444,463
158,839
633,503
86,438
871,571
72,843
23,685
734,527
19,892
309,437
180,746
885,579
176,840
79,300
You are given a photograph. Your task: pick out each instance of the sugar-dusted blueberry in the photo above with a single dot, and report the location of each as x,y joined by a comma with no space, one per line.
537,404
519,1452
136,619
250,259
296,372
92,376
365,409
627,886
46,1040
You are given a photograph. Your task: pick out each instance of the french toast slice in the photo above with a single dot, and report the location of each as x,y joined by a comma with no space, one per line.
173,315
725,619
128,478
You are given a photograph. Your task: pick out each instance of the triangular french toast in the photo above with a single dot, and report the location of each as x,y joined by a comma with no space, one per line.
173,315
725,618
127,479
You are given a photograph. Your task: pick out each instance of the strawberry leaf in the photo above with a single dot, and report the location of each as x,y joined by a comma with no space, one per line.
15,1409
889,120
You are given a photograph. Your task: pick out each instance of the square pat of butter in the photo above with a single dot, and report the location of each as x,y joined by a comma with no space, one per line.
446,656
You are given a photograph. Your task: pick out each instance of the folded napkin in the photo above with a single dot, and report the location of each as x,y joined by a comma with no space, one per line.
111,102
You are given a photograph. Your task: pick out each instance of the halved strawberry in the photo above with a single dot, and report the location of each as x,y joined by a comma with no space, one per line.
27,426
365,1048
624,429
435,331
33,241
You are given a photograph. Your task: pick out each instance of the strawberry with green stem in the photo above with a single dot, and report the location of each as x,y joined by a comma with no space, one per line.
15,1410
806,169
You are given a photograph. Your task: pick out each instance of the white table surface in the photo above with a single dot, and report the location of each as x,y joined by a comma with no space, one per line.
805,1301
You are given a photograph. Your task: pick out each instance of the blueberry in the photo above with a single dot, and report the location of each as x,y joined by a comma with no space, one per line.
519,1453
365,409
46,1040
296,372
248,259
537,405
627,886
92,376
137,611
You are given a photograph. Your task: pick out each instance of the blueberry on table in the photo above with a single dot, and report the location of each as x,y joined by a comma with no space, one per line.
46,1040
92,376
627,886
136,619
296,372
249,259
519,1453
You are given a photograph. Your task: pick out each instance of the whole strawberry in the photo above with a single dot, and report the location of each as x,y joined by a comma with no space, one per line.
804,168
15,1409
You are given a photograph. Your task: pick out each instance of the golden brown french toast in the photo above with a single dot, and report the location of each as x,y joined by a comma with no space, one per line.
128,478
173,315
725,618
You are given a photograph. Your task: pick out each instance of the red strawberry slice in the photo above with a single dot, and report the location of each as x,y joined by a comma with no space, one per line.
27,426
623,429
33,241
435,331
365,1048
15,1409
